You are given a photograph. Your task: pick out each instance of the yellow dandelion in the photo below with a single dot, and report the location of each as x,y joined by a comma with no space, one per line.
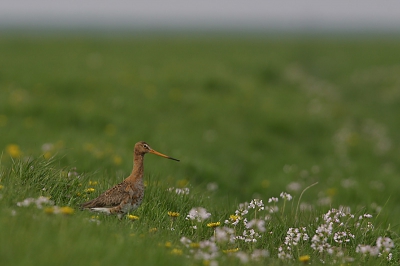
94,217
92,183
173,214
66,210
233,218
117,160
89,190
1,187
233,250
304,258
331,192
182,183
133,217
266,183
13,150
213,225
168,244
194,245
49,210
176,251
153,230
47,155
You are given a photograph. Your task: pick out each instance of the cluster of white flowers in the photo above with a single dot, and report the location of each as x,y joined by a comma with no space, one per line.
199,214
286,196
333,236
248,232
39,202
249,236
334,225
273,199
257,255
205,250
242,210
224,235
73,173
259,224
256,204
382,248
293,237
179,191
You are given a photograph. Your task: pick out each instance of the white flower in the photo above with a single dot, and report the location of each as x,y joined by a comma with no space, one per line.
256,204
212,186
294,186
272,209
259,253
256,223
200,214
224,234
39,202
185,241
243,257
286,196
272,200
384,244
179,191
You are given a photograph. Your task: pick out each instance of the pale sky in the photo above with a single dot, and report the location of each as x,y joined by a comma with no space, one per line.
317,14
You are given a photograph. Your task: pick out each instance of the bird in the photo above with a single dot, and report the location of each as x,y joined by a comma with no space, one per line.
127,195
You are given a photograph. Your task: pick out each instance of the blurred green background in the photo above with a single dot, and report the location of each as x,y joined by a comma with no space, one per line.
253,115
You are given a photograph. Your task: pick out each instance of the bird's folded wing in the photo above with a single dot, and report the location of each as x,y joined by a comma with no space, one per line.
110,198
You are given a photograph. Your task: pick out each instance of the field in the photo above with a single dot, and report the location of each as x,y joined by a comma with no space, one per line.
249,118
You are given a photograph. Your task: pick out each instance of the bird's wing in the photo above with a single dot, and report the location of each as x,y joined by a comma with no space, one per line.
110,198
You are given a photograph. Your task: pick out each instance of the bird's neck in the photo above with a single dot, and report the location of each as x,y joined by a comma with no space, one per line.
138,167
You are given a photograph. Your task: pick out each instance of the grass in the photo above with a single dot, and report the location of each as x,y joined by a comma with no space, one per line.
250,116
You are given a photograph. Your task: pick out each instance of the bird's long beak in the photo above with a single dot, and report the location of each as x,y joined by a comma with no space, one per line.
162,155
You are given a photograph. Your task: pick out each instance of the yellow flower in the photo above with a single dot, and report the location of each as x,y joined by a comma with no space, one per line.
47,155
177,251
117,160
49,210
66,210
1,187
331,192
233,218
233,250
92,183
265,183
182,183
89,190
304,258
133,217
153,230
213,224
173,214
168,244
194,245
13,150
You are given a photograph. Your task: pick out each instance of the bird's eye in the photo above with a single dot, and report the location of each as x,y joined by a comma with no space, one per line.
146,146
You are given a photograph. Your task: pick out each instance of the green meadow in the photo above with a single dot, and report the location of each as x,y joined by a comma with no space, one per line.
249,118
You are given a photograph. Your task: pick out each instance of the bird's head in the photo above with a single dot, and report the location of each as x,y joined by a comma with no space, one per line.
142,148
